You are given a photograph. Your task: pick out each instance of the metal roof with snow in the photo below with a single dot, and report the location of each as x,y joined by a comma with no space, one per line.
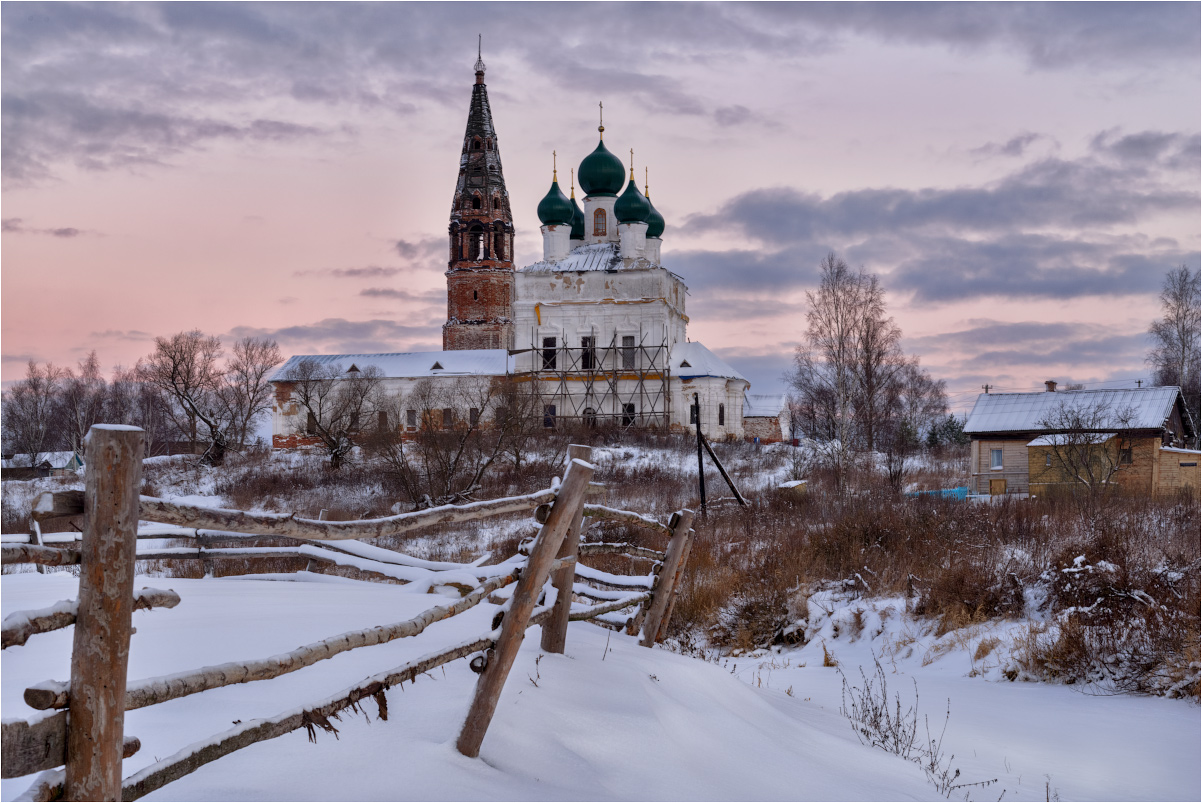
598,256
692,359
1148,408
468,362
766,405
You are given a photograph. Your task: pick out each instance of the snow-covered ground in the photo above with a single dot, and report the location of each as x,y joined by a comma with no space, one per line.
608,720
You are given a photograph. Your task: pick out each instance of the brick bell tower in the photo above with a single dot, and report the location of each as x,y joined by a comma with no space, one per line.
480,281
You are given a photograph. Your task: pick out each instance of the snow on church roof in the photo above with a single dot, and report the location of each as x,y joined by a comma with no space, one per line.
693,359
468,362
1023,412
598,256
767,405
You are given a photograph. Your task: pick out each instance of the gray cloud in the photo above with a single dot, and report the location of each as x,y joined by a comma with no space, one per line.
338,335
1014,147
367,272
139,73
425,297
122,334
15,225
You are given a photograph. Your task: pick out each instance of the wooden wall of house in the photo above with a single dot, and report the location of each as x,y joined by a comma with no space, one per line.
1142,474
1177,472
1014,464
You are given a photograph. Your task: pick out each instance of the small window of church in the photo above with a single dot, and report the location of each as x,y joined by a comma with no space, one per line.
721,415
628,352
590,418
599,223
549,416
476,202
448,418
488,144
411,418
588,356
475,144
548,354
383,421
473,415
475,295
628,414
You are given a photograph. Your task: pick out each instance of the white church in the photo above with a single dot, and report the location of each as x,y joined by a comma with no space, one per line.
598,327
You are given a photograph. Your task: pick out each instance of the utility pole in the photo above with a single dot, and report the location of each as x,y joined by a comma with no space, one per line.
987,386
700,461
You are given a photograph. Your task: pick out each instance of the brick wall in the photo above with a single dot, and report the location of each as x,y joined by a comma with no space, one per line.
766,428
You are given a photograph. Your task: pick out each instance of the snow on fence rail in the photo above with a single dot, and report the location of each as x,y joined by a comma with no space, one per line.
82,729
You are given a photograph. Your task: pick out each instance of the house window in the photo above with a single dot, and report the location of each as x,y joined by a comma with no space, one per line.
311,425
354,427
411,418
599,223
995,459
628,352
628,414
590,417
548,354
721,415
473,415
588,357
1125,455
1047,460
549,417
382,421
448,418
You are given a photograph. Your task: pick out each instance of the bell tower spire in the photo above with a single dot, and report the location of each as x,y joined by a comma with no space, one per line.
480,280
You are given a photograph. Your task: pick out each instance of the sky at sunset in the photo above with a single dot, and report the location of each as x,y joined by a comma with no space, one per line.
1019,176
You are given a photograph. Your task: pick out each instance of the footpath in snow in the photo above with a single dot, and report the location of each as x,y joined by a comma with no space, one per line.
607,720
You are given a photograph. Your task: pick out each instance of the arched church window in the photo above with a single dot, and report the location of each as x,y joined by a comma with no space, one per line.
475,144
496,202
488,144
475,202
599,223
475,244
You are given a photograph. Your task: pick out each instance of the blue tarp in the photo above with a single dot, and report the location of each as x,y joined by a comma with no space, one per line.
959,494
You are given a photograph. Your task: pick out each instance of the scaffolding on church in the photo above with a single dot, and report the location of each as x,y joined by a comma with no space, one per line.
624,383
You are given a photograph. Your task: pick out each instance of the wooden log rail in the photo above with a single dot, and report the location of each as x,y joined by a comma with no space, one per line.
629,550
60,504
602,513
19,626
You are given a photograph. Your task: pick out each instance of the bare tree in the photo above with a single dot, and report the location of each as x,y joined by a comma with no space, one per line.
246,391
186,368
30,409
879,360
1087,445
1176,348
826,361
82,399
337,405
133,399
464,425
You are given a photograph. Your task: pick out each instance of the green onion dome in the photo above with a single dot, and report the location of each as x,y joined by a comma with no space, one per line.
632,207
577,220
555,209
601,173
655,221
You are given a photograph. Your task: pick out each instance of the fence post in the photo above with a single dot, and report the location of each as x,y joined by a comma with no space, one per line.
100,654
567,507
666,582
680,569
555,629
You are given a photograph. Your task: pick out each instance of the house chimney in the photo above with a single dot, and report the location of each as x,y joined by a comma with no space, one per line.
1050,385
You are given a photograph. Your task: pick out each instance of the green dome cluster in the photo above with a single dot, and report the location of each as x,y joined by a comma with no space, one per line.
555,209
601,173
632,207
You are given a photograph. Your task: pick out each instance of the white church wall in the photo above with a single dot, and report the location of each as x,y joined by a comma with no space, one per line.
713,392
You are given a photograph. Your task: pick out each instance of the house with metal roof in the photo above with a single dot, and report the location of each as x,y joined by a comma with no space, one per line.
1146,432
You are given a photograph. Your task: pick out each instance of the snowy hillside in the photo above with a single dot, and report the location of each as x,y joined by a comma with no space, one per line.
608,720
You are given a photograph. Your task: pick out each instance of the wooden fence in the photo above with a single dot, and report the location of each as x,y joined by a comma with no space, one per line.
83,729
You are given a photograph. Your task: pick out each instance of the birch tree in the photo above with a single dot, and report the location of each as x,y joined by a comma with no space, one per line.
1175,353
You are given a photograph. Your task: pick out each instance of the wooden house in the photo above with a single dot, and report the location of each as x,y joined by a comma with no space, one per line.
1142,432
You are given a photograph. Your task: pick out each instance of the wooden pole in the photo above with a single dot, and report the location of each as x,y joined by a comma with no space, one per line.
100,655
567,509
662,595
721,470
700,461
555,630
